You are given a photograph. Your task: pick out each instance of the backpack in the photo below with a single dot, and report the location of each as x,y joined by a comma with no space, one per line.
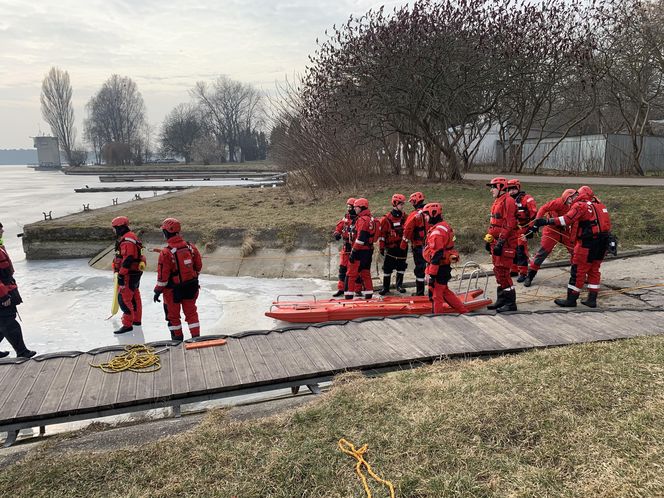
184,265
602,216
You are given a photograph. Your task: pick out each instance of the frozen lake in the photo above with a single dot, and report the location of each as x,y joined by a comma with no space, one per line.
67,303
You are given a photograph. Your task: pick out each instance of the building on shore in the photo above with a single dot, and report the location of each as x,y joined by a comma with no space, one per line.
48,152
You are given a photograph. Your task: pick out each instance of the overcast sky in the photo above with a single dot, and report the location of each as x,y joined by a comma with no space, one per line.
165,46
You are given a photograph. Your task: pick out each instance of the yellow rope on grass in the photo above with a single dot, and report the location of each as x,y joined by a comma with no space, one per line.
349,449
136,358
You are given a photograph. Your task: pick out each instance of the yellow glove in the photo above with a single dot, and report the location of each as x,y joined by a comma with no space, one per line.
488,238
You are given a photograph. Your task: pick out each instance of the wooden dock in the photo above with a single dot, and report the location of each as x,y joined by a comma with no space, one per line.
184,175
63,387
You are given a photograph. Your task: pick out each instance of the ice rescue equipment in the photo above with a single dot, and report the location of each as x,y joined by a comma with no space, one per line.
115,304
358,454
136,358
204,344
316,311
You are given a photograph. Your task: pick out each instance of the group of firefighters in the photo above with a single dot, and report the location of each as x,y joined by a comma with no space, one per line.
177,281
577,219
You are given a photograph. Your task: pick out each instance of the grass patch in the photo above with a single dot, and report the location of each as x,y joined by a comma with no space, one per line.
579,421
294,216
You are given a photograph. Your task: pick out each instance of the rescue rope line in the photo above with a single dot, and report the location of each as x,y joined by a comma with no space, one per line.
394,257
569,247
242,258
349,449
136,358
612,292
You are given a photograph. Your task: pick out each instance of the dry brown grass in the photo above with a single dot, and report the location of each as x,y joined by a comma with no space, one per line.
249,246
281,216
580,421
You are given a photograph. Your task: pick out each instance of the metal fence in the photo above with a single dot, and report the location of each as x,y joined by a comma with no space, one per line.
605,154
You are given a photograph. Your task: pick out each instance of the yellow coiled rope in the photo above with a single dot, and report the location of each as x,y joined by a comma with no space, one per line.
349,449
136,358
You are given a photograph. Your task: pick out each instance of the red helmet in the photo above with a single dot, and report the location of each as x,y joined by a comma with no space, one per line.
361,202
171,225
500,182
415,198
567,193
433,209
585,193
120,221
350,201
514,183
398,198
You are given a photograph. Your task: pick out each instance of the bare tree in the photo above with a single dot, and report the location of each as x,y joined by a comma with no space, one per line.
207,150
420,86
180,130
632,57
57,109
228,108
116,114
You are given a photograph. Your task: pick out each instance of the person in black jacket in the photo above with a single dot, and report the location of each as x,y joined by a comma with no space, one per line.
10,329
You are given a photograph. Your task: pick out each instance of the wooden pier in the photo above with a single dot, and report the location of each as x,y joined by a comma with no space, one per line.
63,387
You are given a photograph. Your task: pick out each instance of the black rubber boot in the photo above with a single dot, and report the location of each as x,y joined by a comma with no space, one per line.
521,278
510,302
339,293
136,324
123,329
529,278
500,300
386,286
591,302
399,283
3,354
14,336
570,302
419,288
176,337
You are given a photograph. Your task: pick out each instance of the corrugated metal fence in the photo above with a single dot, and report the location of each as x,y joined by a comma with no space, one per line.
607,154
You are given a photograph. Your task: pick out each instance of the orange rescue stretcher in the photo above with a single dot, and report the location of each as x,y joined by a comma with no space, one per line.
325,310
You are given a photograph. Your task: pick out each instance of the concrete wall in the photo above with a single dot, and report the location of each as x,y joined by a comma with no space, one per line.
307,255
263,263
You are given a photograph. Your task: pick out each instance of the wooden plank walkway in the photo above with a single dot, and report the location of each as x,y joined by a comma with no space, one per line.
59,388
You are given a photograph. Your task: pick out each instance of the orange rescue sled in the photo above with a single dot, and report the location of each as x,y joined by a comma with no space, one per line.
326,310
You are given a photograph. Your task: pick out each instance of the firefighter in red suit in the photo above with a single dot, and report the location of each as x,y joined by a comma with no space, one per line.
414,232
10,298
593,225
390,235
526,211
129,263
439,254
342,232
501,241
359,260
551,235
177,278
